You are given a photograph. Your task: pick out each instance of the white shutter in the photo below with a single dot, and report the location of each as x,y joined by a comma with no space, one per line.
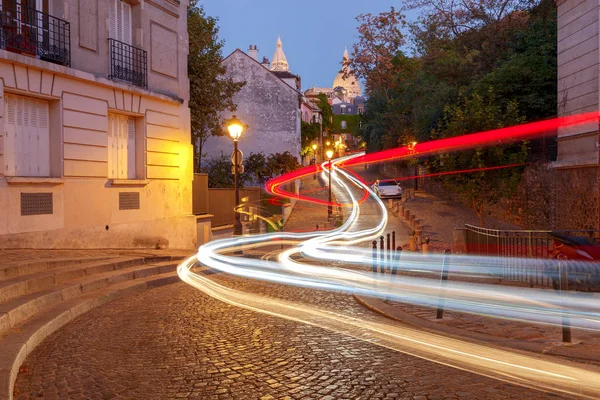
27,136
131,148
113,140
10,134
112,19
122,147
43,142
119,16
126,20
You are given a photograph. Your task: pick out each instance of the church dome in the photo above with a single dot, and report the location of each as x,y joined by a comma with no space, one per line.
349,83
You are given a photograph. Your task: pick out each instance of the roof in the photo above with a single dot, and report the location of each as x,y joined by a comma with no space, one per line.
284,74
261,66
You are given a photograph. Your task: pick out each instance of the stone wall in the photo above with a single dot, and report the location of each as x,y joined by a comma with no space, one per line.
269,107
577,194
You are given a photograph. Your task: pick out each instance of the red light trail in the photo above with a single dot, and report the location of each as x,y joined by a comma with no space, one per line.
496,137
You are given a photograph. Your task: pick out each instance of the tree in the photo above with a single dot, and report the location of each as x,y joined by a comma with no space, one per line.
281,163
210,92
379,41
326,110
219,173
309,133
255,166
476,113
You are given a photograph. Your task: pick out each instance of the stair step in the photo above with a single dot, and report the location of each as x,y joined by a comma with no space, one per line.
31,267
22,340
17,310
40,281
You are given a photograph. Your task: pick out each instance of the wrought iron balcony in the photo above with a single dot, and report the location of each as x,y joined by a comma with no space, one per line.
128,63
27,31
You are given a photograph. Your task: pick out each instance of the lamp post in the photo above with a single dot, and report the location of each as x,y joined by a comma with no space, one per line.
235,129
413,145
329,207
314,147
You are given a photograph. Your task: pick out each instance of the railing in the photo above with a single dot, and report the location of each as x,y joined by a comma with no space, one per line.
514,250
128,63
28,31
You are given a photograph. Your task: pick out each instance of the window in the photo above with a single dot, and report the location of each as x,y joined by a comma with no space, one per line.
343,109
120,21
27,140
343,125
121,147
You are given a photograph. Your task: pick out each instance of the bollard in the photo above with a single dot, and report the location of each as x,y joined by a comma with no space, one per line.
374,257
400,211
425,249
419,234
564,288
390,203
388,252
411,221
393,239
317,226
443,279
396,264
406,214
413,244
381,255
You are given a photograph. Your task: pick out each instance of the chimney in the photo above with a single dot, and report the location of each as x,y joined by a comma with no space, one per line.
253,52
266,63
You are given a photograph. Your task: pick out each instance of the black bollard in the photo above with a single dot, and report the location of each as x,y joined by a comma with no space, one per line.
396,264
564,288
443,279
393,240
389,251
381,255
374,257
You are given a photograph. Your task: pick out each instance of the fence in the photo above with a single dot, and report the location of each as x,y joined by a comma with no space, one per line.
200,194
221,203
514,250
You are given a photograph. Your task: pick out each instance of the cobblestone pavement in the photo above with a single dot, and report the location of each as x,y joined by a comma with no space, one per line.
175,342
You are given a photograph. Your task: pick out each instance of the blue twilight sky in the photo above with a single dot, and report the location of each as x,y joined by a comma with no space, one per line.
313,32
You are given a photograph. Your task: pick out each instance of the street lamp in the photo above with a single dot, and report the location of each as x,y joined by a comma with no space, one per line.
329,154
235,129
314,147
412,150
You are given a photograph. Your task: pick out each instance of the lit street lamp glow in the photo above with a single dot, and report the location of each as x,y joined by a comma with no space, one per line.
235,128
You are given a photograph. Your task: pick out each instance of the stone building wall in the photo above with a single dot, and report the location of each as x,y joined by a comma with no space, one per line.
268,105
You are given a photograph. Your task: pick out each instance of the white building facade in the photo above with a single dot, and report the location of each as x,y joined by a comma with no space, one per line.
95,146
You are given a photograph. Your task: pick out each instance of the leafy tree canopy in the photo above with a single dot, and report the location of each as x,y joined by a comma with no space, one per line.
211,92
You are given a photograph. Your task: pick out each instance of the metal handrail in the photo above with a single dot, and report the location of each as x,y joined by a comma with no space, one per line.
128,63
28,31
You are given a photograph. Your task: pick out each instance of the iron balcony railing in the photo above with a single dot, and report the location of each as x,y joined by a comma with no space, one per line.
30,32
128,63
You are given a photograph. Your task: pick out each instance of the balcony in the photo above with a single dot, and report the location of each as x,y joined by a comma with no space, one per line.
33,33
128,63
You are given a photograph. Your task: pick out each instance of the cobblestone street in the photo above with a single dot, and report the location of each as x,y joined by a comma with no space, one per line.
175,342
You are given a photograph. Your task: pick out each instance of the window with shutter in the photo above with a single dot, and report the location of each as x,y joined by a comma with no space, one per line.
27,139
120,21
121,147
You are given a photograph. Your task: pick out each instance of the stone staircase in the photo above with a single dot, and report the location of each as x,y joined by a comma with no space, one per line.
38,297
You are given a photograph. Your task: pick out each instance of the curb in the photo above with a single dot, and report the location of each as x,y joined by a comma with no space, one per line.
545,348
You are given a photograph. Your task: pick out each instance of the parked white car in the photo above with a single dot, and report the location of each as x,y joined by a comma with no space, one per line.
387,188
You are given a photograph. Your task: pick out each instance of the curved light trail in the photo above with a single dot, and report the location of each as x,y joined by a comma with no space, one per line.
308,259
